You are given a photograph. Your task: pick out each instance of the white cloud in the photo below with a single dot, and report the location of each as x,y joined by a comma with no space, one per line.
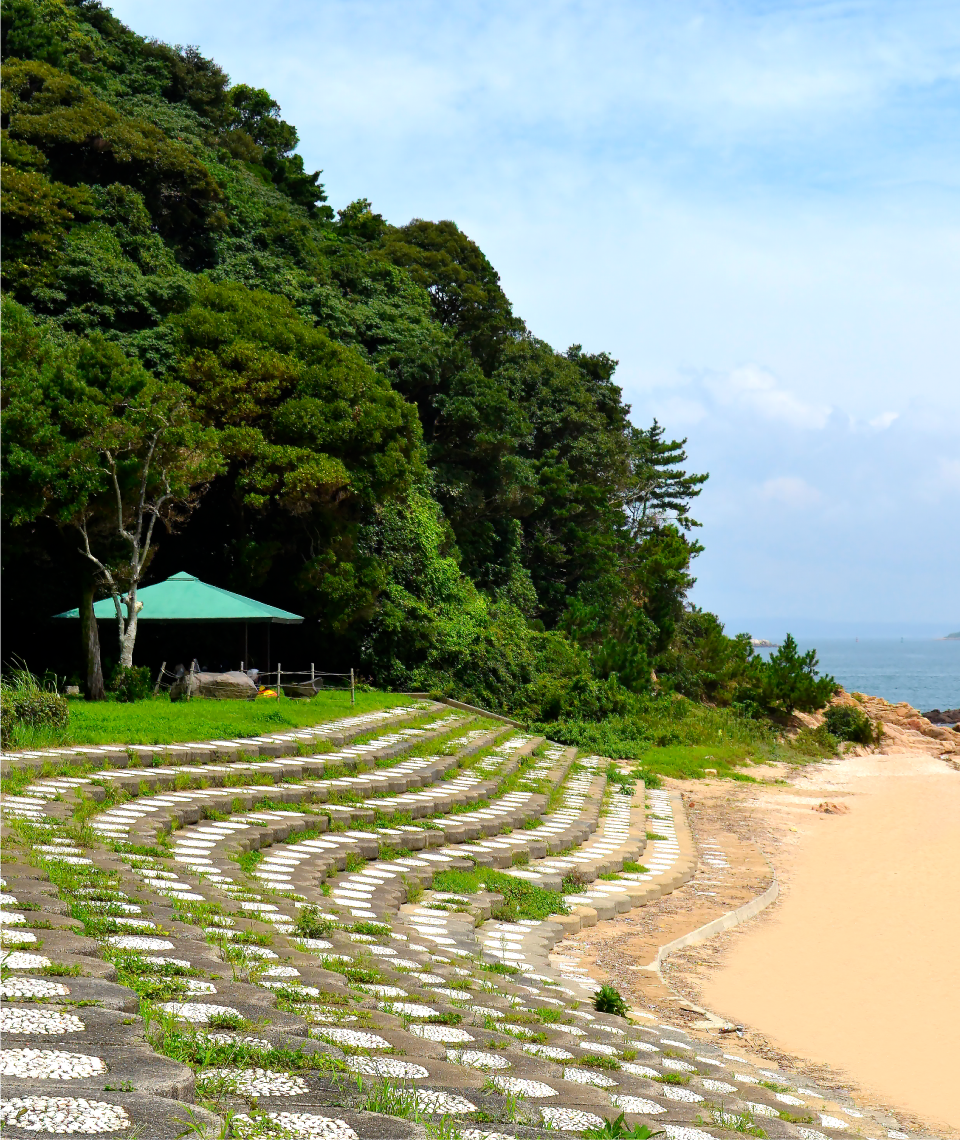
883,421
756,390
790,491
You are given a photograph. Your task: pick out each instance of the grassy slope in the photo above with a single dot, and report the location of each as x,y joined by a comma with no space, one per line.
157,721
688,761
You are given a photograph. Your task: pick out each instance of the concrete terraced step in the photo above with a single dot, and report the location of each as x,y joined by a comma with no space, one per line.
188,806
55,795
388,1009
337,732
206,850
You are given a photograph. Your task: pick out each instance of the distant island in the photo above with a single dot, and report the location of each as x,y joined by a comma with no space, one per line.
762,643
952,636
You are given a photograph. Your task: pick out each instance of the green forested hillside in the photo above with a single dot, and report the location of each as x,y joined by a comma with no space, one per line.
354,423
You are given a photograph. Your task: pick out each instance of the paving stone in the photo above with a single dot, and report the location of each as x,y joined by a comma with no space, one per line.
110,1113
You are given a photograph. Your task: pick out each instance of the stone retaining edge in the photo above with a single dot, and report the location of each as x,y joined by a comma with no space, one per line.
481,712
725,922
465,708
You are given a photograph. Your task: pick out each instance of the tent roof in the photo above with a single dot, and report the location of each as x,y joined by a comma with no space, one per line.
185,598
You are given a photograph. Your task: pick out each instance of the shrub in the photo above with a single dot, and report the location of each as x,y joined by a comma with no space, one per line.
311,924
848,723
608,1000
131,683
814,742
26,704
788,680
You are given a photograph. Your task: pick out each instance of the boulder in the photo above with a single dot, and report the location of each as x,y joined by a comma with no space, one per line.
306,690
233,686
948,717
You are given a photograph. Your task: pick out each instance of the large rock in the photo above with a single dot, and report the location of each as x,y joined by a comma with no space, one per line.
306,690
905,726
949,717
233,686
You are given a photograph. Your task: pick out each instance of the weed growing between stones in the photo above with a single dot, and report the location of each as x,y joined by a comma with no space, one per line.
522,900
796,1118
390,1098
446,1128
619,1130
595,1061
202,1050
375,929
499,968
719,1117
358,972
608,1000
311,924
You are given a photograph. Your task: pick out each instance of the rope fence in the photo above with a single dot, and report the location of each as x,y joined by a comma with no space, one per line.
304,679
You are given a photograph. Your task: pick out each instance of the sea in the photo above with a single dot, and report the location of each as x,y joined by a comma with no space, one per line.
921,671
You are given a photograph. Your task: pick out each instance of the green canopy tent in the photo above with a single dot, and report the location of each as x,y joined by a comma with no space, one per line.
185,598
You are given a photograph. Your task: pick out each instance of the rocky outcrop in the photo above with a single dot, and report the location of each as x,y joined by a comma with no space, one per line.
905,726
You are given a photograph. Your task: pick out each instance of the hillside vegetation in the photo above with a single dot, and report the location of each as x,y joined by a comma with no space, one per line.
317,408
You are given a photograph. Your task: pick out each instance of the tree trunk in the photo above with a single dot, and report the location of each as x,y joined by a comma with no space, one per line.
90,638
128,635
126,644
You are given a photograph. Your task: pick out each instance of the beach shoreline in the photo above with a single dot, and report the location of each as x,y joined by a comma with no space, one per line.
854,970
851,978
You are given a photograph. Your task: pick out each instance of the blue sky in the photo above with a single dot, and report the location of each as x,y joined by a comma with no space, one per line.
753,206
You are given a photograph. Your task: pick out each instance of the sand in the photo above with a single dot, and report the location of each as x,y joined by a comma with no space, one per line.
858,964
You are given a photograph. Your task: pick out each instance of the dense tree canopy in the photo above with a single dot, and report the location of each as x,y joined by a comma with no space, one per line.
450,500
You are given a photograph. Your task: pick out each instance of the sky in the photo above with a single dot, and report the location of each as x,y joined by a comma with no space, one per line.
753,206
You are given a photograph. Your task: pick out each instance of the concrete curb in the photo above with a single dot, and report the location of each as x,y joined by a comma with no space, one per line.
465,708
725,922
481,712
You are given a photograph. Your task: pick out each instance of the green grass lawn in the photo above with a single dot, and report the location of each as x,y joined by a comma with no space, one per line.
688,761
730,761
158,721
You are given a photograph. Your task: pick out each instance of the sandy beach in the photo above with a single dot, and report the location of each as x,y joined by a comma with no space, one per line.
857,966
852,976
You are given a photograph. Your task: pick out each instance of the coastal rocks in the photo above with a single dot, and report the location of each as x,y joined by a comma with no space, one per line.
903,725
949,717
906,725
